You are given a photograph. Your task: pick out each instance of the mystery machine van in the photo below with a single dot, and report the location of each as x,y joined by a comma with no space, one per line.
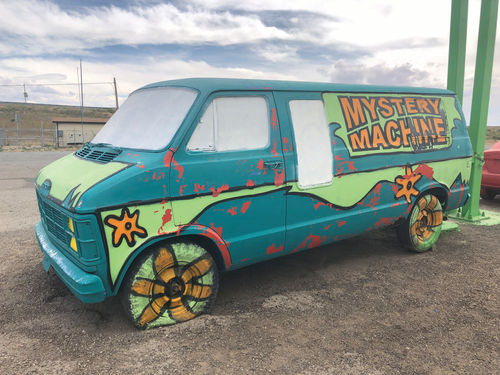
194,177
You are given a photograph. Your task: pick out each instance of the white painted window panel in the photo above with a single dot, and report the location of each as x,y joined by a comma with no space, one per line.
148,119
232,123
312,138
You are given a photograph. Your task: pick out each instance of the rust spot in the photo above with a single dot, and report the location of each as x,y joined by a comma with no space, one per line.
341,222
250,183
233,211
198,187
309,242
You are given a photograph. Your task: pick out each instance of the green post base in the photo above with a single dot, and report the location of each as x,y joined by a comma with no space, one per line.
449,226
487,218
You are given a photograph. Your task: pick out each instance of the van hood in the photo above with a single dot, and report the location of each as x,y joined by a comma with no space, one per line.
67,179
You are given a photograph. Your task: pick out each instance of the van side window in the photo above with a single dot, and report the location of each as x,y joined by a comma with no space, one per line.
312,139
232,123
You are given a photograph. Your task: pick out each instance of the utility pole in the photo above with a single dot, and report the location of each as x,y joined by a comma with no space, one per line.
116,92
81,110
25,93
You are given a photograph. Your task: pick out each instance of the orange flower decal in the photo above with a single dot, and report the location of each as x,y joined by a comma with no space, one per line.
407,183
125,227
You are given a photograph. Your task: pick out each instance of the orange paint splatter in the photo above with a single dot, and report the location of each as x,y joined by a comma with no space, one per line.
309,242
181,189
250,183
233,211
260,164
341,222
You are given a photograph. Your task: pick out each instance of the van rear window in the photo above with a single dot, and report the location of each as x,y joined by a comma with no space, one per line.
314,153
148,119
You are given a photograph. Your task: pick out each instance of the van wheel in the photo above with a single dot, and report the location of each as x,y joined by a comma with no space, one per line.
421,229
169,284
487,194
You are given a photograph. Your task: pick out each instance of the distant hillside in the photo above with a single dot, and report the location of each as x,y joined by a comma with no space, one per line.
30,115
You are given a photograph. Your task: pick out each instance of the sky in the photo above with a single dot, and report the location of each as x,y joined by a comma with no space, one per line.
385,42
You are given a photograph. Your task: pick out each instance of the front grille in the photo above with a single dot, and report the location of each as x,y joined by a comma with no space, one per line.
96,155
55,221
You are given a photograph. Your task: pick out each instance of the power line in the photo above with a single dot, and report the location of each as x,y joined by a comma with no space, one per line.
57,84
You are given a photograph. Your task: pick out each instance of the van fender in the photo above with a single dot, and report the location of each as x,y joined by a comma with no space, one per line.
188,230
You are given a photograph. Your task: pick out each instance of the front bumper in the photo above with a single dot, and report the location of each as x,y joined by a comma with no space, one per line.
86,286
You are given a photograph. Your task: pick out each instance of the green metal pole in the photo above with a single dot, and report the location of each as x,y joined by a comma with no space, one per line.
456,62
456,54
480,101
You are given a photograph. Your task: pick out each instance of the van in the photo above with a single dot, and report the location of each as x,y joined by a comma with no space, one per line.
194,177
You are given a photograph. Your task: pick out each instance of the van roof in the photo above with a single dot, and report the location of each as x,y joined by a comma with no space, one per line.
207,85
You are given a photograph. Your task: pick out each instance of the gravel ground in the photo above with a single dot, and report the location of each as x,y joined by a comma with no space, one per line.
361,306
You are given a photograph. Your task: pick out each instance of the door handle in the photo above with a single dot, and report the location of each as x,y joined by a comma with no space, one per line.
273,164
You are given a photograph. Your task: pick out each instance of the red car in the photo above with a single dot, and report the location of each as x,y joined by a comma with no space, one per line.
490,184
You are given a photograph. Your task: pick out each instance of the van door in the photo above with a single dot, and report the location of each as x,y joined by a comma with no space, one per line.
229,176
309,169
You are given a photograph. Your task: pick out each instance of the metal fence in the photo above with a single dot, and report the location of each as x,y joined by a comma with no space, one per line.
43,136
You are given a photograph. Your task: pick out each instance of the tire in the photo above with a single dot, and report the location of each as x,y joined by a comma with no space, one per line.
170,283
420,231
487,194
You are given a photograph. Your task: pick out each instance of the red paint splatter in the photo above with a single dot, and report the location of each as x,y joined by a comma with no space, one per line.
319,204
245,206
167,216
250,183
181,189
279,177
384,221
310,242
375,199
339,168
341,222
274,119
168,158
216,192
260,164
178,168
424,170
217,230
140,165
273,249
243,260
327,227
273,150
233,211
198,187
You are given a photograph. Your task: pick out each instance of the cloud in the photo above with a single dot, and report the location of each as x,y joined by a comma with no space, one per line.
380,74
31,27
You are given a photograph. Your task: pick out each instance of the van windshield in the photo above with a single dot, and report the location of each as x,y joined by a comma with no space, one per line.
148,119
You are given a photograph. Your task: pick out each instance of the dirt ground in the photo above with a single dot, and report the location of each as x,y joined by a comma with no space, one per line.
361,306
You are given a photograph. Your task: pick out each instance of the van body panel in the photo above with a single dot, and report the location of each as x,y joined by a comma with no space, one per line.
251,203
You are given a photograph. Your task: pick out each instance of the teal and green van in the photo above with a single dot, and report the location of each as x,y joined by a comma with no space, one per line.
195,177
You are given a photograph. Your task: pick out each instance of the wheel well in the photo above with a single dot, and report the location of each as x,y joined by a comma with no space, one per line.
440,194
